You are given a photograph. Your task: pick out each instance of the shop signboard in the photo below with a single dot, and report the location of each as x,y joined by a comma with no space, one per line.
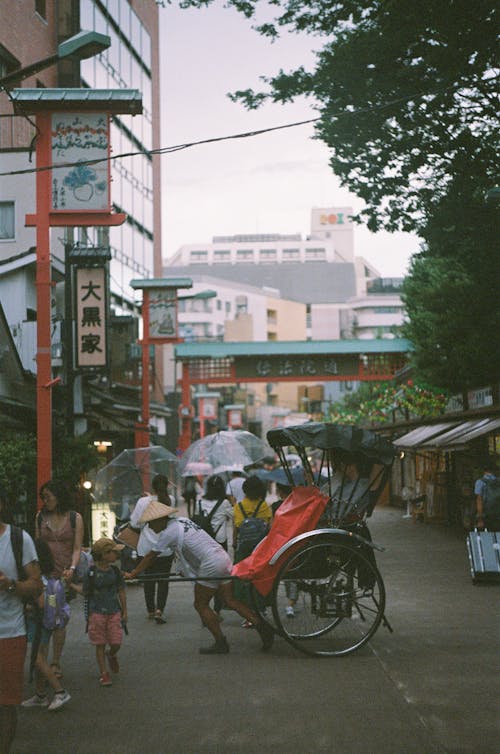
290,367
91,317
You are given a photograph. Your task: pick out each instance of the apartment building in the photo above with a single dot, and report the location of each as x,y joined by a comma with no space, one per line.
30,34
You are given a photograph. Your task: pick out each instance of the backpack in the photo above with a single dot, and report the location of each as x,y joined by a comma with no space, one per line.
491,496
30,605
250,532
204,520
56,610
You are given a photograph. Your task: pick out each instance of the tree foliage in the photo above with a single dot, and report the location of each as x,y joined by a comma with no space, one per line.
451,294
402,89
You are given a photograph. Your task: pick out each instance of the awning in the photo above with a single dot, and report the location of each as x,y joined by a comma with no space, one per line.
464,433
418,436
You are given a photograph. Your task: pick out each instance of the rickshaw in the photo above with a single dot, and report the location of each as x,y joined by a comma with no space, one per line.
319,548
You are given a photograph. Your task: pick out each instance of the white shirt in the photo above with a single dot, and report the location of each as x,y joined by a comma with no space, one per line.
222,516
148,540
11,607
198,553
235,488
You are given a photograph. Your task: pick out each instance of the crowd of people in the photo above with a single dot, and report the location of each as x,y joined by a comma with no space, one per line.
39,577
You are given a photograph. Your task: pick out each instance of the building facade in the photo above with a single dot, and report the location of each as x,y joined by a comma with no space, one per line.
31,34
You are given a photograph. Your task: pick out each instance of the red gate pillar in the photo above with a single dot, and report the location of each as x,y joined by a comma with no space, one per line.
43,287
186,412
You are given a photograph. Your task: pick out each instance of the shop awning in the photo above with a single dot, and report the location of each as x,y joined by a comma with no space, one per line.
420,435
461,435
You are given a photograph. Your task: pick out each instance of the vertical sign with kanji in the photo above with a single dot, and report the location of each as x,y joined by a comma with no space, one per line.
162,313
91,317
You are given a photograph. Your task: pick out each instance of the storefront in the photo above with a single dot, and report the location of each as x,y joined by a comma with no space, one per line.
438,464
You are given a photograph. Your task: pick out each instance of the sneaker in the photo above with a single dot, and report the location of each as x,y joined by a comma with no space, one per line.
113,663
221,647
289,612
247,624
36,701
266,633
60,699
160,618
105,680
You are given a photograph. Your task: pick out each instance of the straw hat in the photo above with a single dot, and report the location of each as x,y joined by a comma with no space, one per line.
155,510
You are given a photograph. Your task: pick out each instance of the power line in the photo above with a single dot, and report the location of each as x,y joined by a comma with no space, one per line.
231,137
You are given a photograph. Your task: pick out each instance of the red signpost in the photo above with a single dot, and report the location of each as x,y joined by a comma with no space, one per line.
86,106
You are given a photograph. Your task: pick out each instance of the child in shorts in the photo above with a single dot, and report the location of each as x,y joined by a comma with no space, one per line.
37,614
104,588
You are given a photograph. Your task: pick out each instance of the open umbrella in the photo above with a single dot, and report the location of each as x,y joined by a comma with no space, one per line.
226,451
130,473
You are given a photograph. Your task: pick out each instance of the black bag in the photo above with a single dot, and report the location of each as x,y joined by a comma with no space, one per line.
250,532
204,520
491,497
31,606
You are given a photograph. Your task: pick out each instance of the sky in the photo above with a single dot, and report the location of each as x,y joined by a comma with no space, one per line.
263,184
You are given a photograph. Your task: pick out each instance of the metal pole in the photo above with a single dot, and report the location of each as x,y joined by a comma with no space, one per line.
43,296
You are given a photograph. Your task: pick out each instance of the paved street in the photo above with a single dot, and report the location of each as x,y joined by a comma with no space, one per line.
431,686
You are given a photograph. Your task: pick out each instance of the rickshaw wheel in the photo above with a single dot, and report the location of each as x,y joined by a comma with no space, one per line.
340,597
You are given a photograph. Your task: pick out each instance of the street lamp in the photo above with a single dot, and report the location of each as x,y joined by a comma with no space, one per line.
83,45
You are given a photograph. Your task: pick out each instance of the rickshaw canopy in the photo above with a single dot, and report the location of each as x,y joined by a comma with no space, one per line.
328,436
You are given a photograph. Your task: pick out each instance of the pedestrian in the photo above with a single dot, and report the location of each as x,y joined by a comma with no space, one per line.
234,488
214,505
487,492
52,609
203,559
62,529
156,577
104,589
19,580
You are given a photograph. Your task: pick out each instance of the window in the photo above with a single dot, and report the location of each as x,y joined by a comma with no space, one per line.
315,255
7,221
219,305
198,257
228,307
244,255
221,256
289,255
267,255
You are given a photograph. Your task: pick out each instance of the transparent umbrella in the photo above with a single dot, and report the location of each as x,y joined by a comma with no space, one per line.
226,451
129,475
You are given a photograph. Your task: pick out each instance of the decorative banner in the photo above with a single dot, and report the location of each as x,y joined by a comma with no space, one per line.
91,317
79,138
207,408
103,521
162,313
235,418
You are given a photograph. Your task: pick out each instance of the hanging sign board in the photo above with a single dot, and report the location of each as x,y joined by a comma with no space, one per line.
77,140
162,313
91,317
207,408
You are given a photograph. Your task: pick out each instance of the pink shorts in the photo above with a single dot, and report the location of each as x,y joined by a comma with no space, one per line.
105,629
12,654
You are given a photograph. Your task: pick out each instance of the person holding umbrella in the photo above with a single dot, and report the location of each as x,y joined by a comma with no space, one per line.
203,558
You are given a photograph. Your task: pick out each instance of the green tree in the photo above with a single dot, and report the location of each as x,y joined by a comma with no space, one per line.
18,469
451,294
402,89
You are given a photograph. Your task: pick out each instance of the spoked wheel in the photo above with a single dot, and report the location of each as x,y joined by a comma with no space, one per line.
340,598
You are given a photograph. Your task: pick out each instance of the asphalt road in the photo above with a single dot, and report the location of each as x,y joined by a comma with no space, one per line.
431,686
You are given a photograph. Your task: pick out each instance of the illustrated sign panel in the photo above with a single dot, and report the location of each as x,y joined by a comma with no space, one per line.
91,320
276,367
162,313
77,139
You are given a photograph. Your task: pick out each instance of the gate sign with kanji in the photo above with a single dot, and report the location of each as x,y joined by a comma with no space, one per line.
91,317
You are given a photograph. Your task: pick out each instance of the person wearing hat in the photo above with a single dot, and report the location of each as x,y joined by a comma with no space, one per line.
104,588
203,558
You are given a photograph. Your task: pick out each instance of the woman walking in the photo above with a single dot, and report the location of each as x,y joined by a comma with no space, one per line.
62,529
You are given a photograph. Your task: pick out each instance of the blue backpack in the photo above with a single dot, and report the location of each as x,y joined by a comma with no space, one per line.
56,610
250,532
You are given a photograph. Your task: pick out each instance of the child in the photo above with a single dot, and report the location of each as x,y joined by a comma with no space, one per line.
104,588
52,612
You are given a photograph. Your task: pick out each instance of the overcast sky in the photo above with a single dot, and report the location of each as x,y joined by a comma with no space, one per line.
262,184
